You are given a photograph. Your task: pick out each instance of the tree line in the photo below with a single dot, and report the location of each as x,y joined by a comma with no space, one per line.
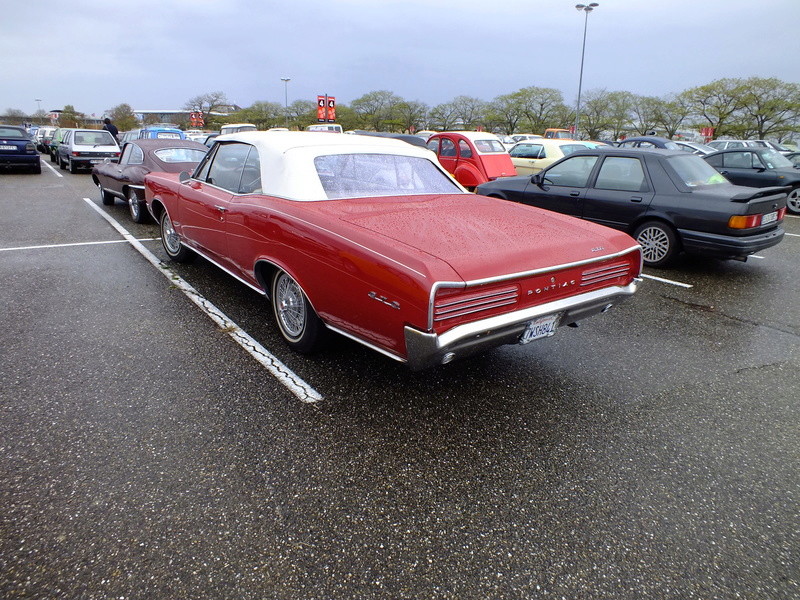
740,108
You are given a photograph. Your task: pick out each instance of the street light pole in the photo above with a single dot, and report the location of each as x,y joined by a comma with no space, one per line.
586,10
286,81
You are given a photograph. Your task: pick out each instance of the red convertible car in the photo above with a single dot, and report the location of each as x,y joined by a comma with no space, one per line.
371,238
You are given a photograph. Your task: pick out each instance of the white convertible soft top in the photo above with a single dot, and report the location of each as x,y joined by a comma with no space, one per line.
287,157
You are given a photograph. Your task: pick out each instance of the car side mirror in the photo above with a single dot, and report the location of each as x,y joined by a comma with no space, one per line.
537,179
183,177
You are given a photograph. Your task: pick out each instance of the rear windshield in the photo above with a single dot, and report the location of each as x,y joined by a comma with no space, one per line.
366,175
694,171
94,138
179,155
489,146
13,133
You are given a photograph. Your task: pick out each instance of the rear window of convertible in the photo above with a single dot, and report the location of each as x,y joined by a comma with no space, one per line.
365,175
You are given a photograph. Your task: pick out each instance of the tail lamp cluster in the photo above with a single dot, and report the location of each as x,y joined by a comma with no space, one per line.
750,221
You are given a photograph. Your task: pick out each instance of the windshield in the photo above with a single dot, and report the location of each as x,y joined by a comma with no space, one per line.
694,171
366,175
180,155
776,160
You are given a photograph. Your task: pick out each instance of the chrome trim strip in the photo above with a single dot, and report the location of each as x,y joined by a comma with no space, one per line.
228,271
466,284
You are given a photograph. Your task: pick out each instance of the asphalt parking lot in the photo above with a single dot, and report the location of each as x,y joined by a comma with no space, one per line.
150,451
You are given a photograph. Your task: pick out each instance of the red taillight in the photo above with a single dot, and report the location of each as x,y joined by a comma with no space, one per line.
76,154
781,213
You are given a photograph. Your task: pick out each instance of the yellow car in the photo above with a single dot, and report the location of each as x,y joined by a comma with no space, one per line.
531,156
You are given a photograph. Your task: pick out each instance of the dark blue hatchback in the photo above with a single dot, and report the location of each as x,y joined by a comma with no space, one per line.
17,149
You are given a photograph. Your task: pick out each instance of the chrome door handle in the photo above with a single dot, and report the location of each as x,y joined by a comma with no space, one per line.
221,208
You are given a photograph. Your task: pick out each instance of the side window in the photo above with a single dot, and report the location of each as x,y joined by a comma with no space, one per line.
227,166
755,161
137,155
572,172
647,145
464,150
620,173
448,148
433,146
201,172
251,174
715,161
737,160
126,155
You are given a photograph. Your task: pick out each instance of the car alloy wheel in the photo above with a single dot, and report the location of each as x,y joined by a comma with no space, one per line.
658,242
793,201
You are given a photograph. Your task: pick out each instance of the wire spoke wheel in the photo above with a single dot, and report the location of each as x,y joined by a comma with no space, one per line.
290,306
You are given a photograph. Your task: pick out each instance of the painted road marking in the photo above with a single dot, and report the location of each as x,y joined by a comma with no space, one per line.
669,281
49,166
76,244
793,234
280,371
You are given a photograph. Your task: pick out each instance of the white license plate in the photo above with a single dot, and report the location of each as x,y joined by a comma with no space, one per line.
4,147
540,328
96,161
769,217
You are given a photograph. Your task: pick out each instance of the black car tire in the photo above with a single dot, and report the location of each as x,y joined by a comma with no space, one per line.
106,196
37,170
137,208
52,158
73,168
793,201
61,164
299,324
172,241
659,243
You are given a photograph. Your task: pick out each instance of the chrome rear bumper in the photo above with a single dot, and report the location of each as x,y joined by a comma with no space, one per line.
430,349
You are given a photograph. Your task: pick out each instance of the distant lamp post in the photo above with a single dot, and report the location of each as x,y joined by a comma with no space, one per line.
286,81
586,8
39,102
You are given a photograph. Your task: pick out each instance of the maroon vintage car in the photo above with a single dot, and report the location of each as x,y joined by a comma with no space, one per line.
370,238
473,157
125,180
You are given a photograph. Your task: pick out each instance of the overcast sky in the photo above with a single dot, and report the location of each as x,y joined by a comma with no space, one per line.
157,54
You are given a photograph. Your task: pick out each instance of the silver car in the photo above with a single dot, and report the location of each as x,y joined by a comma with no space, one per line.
84,148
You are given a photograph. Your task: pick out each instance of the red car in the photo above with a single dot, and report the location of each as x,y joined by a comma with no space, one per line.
473,157
370,238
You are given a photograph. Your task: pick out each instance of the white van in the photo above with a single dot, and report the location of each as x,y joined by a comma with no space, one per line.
236,128
331,127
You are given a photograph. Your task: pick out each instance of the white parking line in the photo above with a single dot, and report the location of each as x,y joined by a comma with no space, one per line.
792,234
669,281
76,244
280,371
49,166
